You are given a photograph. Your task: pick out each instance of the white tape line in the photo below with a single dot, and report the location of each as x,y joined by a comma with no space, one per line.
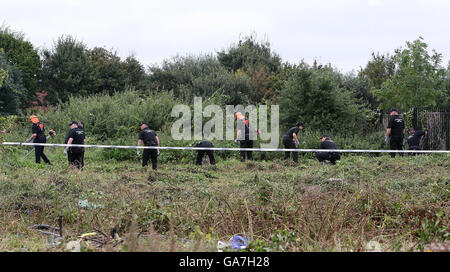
230,148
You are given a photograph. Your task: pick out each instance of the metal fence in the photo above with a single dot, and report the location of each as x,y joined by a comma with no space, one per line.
435,120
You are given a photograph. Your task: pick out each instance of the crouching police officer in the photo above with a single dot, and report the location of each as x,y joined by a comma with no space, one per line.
414,139
148,137
201,153
327,143
75,153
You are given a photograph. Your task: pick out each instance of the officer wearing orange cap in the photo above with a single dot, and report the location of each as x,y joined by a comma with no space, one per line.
38,136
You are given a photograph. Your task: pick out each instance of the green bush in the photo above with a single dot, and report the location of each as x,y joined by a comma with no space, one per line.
110,117
314,96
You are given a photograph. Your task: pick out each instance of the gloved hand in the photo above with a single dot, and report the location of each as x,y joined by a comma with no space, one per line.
65,151
157,152
297,143
138,152
236,141
386,139
28,140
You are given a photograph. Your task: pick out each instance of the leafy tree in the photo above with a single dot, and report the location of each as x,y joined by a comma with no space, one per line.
379,69
418,81
72,69
362,87
314,96
201,76
107,73
21,54
66,70
135,74
12,90
3,76
250,54
258,61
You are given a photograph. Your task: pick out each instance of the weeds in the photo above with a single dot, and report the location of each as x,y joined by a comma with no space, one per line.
400,204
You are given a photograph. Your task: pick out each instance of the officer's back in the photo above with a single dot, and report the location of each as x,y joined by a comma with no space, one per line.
78,138
148,136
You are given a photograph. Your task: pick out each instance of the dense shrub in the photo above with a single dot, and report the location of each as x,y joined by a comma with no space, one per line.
203,76
111,117
314,97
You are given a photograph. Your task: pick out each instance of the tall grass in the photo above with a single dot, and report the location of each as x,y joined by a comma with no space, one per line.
403,204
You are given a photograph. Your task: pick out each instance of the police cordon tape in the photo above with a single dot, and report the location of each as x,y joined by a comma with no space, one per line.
228,148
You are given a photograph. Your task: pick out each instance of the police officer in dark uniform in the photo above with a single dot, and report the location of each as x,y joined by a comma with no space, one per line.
414,139
201,153
75,136
69,154
290,141
394,130
38,136
246,142
148,137
327,143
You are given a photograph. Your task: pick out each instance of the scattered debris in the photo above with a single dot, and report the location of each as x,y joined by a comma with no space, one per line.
46,229
54,233
74,246
235,243
84,204
373,246
336,180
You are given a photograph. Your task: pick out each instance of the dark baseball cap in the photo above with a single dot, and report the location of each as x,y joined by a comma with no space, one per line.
300,124
73,122
393,109
143,123
324,135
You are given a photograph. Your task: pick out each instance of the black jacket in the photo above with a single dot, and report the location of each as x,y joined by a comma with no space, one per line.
148,136
397,125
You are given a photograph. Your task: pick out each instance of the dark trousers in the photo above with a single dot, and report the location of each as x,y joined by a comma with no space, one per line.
330,156
396,143
75,158
248,154
289,144
414,148
209,153
82,160
39,153
150,154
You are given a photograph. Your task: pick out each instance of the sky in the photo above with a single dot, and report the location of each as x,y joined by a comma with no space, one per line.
341,32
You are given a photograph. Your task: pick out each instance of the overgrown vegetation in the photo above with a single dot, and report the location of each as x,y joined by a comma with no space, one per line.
403,204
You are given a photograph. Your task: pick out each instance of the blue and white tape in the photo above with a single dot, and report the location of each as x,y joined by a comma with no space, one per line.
228,148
